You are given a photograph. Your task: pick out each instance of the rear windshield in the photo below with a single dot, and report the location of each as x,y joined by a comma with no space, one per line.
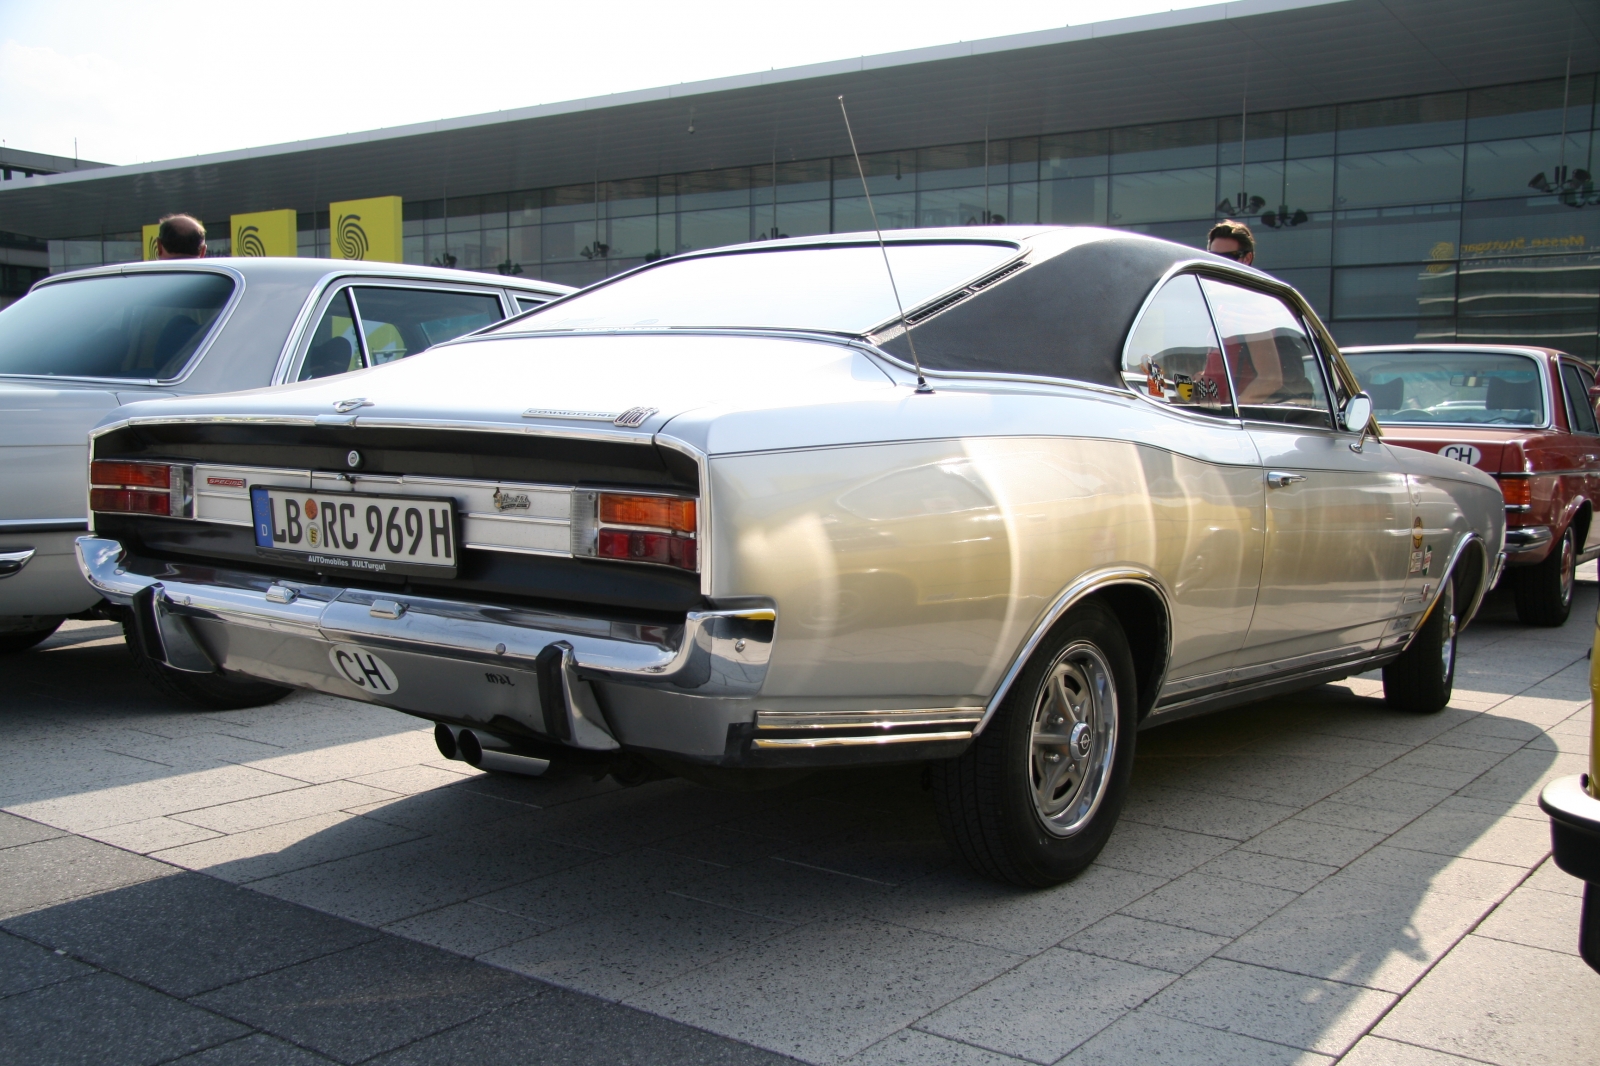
134,326
1460,388
834,289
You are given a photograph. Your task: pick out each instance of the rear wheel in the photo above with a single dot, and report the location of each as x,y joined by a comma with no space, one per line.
212,692
1422,679
15,640
1544,591
1035,797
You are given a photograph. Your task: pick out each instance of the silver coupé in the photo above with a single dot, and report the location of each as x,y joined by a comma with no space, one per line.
709,518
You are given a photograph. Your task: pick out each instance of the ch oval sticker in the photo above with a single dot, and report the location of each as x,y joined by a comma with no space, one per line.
1461,453
363,669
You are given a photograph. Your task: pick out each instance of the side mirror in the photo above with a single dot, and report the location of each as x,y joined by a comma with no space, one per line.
1357,412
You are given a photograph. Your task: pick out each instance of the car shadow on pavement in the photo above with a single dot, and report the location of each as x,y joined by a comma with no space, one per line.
1281,874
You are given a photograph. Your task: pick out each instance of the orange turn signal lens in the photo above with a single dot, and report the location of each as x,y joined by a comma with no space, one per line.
1518,491
662,512
130,475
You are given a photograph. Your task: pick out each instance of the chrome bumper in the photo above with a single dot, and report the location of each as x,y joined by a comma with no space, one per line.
200,619
1527,540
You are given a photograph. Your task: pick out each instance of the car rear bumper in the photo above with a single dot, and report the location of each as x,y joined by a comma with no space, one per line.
1526,545
521,673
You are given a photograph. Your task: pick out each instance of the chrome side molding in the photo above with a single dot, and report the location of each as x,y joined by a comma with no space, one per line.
12,562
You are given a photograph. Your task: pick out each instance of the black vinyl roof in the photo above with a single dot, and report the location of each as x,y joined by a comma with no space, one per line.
1061,316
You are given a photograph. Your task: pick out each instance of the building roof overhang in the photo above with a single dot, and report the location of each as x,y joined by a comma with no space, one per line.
1154,68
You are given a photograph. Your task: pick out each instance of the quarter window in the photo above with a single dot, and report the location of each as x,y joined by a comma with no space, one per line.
1270,357
334,347
401,322
1580,412
1173,356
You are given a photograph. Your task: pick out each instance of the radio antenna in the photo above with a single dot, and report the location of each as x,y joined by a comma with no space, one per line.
922,382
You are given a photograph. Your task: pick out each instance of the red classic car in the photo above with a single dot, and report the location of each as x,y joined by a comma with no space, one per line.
1525,416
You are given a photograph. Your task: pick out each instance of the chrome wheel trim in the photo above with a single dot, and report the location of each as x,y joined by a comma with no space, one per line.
1569,570
1073,739
1447,604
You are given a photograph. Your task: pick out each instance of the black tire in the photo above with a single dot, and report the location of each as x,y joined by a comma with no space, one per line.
22,639
1543,591
211,692
992,803
1421,680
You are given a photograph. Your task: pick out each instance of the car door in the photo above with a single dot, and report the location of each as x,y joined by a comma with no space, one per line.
1207,493
368,323
1577,381
1338,518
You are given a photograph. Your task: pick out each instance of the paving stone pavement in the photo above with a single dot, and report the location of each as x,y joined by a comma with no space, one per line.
1306,880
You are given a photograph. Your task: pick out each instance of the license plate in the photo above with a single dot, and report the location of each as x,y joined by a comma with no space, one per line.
345,531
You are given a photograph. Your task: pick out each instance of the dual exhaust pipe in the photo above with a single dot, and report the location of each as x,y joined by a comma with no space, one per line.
484,751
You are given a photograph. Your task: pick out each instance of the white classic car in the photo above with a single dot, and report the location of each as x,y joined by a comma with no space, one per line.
705,518
81,344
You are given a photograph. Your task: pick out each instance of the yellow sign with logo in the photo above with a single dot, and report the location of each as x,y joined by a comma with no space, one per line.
366,229
150,241
265,233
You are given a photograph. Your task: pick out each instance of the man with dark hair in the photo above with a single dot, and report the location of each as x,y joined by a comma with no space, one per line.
1232,240
181,237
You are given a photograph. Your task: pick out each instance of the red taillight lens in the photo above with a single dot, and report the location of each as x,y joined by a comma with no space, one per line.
130,475
1518,491
665,548
130,501
664,512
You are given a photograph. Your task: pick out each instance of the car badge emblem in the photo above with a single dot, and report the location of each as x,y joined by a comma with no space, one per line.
510,501
344,407
633,416
352,459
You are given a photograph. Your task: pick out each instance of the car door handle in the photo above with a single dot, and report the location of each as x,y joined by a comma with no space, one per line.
1279,479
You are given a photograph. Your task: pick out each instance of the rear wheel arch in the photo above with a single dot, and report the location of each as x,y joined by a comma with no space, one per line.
1143,614
1582,519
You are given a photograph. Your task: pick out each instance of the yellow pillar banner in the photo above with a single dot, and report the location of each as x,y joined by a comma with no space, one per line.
265,233
150,241
366,229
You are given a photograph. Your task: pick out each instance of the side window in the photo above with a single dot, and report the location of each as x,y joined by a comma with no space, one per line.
528,303
1270,357
1173,355
334,347
1580,412
401,322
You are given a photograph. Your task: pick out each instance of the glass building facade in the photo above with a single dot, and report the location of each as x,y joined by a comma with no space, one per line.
1467,216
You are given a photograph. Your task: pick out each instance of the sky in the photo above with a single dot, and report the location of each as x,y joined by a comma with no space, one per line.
132,81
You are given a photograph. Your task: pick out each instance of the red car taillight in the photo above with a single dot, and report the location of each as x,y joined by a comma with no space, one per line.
1518,492
140,488
640,528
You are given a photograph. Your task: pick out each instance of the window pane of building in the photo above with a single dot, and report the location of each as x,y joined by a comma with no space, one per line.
1293,242
1157,196
713,229
1402,123
1074,155
1520,166
1165,146
1415,175
1563,284
1536,225
1312,283
1073,201
1569,333
1529,109
850,215
634,237
1409,291
957,207
1396,234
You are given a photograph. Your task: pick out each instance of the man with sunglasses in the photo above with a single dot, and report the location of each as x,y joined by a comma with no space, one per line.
1232,240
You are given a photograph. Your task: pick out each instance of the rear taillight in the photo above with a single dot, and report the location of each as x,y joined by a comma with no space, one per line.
637,527
123,487
1518,492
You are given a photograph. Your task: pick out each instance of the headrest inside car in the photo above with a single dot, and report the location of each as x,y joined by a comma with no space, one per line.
1506,394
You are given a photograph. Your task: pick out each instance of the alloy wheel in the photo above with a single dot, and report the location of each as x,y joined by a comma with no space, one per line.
1073,739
